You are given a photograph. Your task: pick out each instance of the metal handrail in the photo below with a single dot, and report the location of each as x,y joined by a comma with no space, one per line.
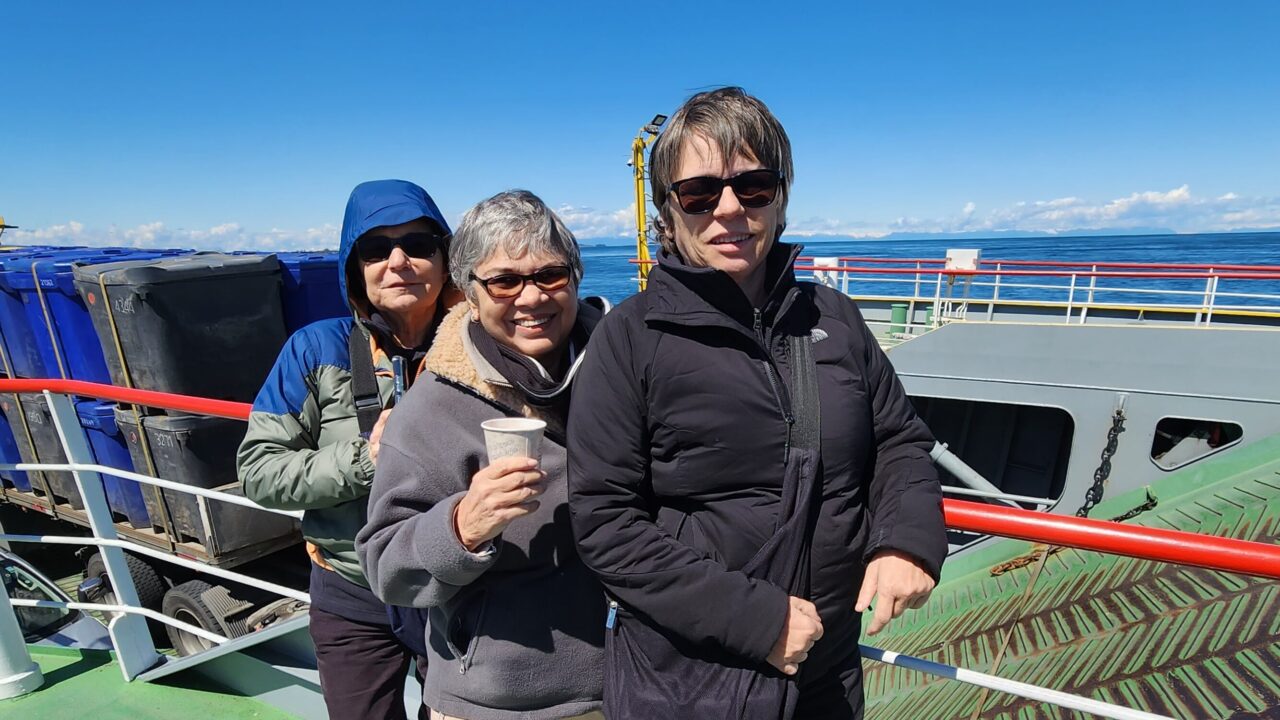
1137,541
135,652
1012,687
149,480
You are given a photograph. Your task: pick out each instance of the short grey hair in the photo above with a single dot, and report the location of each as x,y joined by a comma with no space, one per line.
734,122
516,221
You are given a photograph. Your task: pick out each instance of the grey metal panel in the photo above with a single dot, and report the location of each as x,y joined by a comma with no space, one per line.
1185,361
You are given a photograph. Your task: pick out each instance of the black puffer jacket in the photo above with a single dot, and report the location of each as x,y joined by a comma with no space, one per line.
676,453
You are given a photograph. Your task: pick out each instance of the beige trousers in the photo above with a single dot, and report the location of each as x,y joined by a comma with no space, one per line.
594,715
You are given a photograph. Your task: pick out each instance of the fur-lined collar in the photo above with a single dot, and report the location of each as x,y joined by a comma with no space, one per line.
453,357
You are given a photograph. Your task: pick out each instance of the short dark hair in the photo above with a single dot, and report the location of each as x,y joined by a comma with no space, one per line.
736,123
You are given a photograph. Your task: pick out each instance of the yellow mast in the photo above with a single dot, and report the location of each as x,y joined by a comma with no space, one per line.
4,226
643,140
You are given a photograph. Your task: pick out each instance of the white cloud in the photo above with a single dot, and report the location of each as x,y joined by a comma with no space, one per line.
588,222
226,237
1177,209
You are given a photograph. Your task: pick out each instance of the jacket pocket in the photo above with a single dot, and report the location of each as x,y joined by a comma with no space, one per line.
647,675
465,630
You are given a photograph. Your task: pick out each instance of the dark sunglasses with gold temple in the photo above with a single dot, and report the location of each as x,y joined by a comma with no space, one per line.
509,285
753,188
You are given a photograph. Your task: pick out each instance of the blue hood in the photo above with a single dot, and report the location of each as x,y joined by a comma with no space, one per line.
379,203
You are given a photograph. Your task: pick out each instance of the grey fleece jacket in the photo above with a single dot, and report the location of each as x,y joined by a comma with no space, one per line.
516,632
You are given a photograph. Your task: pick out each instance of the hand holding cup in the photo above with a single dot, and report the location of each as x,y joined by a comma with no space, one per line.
508,488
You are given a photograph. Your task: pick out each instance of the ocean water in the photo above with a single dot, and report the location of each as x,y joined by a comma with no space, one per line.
608,272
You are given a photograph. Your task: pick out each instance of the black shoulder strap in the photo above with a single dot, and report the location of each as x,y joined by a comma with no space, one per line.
805,401
364,385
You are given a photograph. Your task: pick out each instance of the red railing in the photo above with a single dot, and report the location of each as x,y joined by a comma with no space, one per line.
1064,264
150,398
1196,275
1174,546
1147,543
1194,272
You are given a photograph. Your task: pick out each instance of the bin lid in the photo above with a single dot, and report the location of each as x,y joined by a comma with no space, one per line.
58,272
178,269
170,423
98,415
15,268
298,264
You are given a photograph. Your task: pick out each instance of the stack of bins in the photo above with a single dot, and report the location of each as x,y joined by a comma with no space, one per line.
206,325
67,342
25,339
9,452
124,497
23,356
200,451
310,290
10,309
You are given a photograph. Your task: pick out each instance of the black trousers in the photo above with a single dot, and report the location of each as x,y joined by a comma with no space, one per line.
362,668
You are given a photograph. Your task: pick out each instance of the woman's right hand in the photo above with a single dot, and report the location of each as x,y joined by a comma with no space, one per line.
499,493
802,629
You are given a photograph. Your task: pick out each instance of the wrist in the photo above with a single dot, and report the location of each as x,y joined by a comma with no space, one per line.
468,543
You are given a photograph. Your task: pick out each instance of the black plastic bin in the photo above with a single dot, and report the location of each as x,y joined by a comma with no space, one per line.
48,446
12,409
200,451
206,324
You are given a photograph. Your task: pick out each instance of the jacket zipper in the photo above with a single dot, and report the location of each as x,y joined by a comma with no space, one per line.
769,372
612,618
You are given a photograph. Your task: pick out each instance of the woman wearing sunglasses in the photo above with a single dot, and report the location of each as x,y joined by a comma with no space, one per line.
305,449
516,622
746,473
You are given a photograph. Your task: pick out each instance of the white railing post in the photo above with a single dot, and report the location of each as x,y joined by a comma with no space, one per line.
129,633
1093,285
1213,298
1204,301
18,674
1071,298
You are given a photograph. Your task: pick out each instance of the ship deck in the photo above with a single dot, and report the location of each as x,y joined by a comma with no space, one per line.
87,683
1170,639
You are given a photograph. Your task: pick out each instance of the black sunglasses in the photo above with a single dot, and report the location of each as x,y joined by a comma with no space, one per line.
509,285
754,189
376,248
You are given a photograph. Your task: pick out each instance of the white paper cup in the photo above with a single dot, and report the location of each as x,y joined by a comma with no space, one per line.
513,437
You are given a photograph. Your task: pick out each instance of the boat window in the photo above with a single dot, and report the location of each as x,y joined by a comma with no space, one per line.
1181,441
1021,449
36,622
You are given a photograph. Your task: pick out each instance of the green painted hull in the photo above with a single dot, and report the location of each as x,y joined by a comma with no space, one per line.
1178,641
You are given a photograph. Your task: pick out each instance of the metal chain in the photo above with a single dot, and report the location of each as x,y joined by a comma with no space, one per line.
1094,494
1150,504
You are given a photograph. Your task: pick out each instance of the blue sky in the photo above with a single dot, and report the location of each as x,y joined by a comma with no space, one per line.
245,125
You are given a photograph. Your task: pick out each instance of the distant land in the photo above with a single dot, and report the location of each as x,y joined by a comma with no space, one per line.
976,235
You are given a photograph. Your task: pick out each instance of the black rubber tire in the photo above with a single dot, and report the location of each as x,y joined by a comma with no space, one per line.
146,579
184,602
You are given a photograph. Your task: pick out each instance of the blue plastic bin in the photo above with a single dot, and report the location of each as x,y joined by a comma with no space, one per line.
309,289
23,279
124,497
9,454
73,330
19,338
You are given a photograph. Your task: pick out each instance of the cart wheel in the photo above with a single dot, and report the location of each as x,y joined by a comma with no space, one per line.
185,602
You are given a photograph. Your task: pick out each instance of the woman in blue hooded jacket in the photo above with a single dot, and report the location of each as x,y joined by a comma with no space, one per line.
304,449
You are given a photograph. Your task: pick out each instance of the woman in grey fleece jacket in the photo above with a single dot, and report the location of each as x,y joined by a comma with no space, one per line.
515,620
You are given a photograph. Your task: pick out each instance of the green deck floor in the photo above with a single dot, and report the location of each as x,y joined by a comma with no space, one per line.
80,684
1175,640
